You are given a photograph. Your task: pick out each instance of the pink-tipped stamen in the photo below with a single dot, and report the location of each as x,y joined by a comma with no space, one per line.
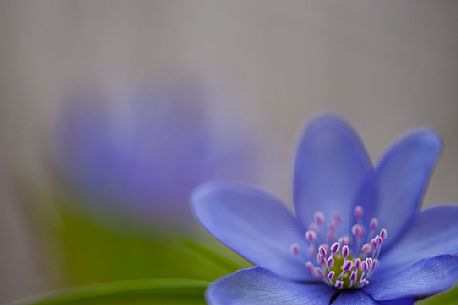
345,251
319,258
319,218
374,244
323,250
374,224
337,219
344,240
359,212
369,262
294,249
347,266
331,236
335,247
314,227
330,261
379,241
384,233
319,272
358,231
366,249
310,235
357,263
363,282
353,262
353,276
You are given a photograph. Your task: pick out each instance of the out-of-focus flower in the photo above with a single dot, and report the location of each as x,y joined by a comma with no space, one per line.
143,157
331,252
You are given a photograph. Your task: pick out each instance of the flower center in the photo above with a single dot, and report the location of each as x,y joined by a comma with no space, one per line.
346,262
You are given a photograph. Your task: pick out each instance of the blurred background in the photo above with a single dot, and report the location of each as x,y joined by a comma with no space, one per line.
112,111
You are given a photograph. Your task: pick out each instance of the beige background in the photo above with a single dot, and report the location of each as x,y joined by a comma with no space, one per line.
385,65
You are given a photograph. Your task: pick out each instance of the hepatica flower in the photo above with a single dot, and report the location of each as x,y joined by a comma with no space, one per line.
357,236
144,157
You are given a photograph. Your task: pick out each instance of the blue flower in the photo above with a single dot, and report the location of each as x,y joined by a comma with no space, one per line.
143,157
357,237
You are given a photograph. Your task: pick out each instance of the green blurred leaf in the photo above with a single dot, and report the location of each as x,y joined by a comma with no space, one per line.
146,291
212,255
92,252
88,248
447,298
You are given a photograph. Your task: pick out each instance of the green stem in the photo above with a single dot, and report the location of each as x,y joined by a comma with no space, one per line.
129,288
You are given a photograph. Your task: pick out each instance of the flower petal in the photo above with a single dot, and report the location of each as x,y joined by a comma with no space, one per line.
254,224
258,286
402,177
361,298
434,232
424,278
355,297
405,301
331,164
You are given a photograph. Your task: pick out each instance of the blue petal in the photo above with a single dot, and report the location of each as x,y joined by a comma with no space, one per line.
257,286
424,278
434,232
405,301
357,297
331,164
254,224
354,298
402,177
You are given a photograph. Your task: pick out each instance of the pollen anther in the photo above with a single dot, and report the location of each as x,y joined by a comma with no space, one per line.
342,263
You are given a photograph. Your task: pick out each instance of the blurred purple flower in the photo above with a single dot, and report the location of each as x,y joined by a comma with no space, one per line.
331,251
145,160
